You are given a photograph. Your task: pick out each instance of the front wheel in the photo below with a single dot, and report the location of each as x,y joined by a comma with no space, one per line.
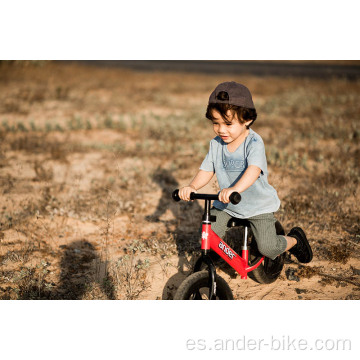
196,287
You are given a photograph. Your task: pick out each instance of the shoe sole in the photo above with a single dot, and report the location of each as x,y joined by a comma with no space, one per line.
304,241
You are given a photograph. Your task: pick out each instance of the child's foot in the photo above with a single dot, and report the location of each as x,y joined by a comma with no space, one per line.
302,250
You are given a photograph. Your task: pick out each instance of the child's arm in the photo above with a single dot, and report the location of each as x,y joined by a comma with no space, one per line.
201,179
249,177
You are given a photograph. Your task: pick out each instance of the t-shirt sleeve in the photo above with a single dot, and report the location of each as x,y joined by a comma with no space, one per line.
208,163
256,154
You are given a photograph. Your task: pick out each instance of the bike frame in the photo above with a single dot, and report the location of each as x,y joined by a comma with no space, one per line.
211,241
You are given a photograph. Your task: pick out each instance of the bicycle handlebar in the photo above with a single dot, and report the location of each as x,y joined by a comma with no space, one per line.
235,197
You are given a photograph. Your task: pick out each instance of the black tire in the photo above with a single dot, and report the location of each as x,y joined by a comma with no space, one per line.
196,287
269,270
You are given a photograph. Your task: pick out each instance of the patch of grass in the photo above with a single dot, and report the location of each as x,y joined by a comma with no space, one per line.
108,122
42,173
21,127
7,183
38,144
338,253
61,93
76,123
130,276
29,208
307,272
286,159
31,282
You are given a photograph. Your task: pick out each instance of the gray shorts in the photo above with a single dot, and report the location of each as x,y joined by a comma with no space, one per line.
263,227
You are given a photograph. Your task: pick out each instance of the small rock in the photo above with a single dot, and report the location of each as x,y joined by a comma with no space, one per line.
290,274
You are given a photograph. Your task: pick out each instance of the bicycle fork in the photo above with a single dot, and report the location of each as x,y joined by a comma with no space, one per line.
212,273
207,218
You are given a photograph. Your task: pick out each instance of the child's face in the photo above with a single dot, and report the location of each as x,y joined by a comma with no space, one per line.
230,132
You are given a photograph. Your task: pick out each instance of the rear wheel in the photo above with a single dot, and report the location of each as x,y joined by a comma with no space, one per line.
196,287
269,270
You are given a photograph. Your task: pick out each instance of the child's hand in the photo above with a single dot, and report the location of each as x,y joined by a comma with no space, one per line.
184,192
224,195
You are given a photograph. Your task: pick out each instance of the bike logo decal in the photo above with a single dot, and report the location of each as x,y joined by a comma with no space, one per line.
204,235
226,250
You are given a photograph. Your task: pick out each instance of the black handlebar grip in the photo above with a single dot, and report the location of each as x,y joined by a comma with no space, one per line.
235,198
175,195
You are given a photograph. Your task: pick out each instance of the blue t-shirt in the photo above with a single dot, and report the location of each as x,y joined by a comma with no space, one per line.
259,198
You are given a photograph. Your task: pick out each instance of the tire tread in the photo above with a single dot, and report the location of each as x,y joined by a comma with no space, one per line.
200,279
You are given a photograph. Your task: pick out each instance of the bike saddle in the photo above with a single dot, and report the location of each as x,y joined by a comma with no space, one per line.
238,222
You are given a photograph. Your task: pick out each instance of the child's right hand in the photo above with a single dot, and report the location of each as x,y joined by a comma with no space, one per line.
184,192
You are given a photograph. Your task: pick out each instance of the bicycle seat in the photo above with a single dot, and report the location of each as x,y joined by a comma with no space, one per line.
238,222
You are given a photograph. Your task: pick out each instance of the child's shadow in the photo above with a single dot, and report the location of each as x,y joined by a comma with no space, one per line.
185,227
78,272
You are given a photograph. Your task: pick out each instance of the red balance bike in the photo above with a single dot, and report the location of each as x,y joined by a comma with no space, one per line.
206,284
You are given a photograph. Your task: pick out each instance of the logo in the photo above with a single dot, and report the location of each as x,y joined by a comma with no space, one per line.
226,250
204,235
233,165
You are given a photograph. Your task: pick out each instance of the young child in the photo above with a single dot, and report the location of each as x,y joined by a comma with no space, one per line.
237,157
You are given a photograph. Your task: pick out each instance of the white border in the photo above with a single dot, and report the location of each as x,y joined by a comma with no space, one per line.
159,29
115,329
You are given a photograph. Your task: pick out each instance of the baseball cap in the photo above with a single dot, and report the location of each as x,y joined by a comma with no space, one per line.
238,94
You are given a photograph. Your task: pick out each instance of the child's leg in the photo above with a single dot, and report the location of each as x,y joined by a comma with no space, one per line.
291,241
268,242
222,219
220,225
271,245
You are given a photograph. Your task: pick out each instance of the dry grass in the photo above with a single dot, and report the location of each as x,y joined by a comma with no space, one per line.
89,157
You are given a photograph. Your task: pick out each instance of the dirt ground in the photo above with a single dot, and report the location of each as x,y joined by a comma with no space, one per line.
89,157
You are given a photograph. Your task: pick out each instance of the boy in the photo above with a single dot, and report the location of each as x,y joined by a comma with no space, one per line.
237,156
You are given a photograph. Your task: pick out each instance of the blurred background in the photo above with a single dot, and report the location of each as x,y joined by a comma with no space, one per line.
90,152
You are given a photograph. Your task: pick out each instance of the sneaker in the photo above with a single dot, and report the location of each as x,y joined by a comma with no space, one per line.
302,250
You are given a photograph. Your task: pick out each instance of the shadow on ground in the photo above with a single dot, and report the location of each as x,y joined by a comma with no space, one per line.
80,268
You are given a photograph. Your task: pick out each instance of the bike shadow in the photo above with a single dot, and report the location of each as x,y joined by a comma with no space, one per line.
184,228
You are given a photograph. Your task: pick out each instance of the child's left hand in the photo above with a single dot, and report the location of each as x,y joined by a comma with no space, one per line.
224,195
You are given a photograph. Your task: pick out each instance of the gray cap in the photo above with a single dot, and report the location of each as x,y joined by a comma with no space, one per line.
238,94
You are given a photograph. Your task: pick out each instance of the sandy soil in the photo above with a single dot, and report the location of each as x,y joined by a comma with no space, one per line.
90,156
